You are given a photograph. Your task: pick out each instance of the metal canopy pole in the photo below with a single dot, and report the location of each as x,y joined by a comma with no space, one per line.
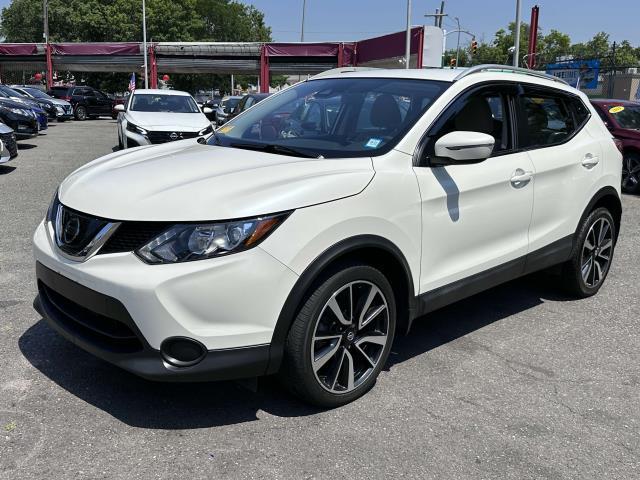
407,54
144,43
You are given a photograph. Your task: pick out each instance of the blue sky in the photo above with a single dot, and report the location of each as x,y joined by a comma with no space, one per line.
356,19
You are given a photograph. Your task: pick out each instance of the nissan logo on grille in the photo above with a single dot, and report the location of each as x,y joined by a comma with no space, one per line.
174,136
71,229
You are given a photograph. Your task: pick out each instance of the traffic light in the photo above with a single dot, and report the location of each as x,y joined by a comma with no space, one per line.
474,47
452,63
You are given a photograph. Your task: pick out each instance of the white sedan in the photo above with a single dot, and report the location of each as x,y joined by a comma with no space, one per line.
158,116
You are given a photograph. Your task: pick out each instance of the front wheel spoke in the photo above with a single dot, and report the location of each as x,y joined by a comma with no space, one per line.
377,339
321,361
360,350
588,243
606,245
362,321
604,229
372,315
586,268
337,311
338,370
350,370
597,272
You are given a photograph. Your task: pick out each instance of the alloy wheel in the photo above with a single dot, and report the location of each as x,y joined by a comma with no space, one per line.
350,336
630,172
596,252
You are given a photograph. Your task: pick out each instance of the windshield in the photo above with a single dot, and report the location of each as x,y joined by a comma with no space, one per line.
627,116
144,102
336,117
36,93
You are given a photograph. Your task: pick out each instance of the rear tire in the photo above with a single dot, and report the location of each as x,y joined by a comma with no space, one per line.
330,358
586,271
631,173
80,113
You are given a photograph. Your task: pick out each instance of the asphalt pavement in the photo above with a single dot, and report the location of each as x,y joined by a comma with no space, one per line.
515,383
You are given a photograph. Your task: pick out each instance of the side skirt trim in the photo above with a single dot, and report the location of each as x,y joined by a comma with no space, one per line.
553,254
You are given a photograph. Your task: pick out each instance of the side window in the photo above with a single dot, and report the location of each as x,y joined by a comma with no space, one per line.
248,103
100,95
548,119
580,111
87,92
484,112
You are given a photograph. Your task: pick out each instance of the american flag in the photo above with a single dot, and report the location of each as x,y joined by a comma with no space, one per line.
132,82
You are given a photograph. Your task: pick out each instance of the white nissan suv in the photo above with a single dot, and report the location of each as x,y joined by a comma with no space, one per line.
309,231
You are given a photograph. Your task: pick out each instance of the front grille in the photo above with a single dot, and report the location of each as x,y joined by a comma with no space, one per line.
132,235
164,137
9,140
105,332
75,230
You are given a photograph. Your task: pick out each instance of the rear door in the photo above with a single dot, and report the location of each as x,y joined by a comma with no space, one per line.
104,103
566,160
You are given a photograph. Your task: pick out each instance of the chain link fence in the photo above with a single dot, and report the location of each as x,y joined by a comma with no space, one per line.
22,73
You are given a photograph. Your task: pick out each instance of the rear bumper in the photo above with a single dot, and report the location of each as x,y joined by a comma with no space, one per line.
77,313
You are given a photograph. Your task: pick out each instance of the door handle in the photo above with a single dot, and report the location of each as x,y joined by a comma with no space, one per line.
520,178
589,161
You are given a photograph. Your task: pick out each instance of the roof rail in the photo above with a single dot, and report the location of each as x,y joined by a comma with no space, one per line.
335,71
507,68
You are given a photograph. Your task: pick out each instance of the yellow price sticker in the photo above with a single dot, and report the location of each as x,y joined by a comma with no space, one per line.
617,109
226,129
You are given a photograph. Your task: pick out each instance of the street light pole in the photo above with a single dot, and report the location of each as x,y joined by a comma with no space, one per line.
144,43
458,44
45,9
407,52
304,7
516,49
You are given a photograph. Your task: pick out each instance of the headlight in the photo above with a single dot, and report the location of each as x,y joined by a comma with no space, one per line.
136,129
18,111
205,131
188,242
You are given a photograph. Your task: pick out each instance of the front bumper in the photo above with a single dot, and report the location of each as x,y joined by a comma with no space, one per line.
228,304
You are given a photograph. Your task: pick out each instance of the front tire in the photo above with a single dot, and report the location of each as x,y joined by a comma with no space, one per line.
81,113
631,173
585,272
341,337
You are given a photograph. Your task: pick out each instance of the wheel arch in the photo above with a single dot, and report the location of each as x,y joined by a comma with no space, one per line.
606,197
370,249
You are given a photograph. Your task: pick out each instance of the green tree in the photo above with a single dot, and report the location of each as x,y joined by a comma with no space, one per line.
551,46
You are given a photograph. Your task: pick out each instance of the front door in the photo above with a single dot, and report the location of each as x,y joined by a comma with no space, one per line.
475,217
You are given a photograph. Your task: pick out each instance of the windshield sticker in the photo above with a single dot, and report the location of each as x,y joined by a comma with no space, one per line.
226,129
373,143
617,109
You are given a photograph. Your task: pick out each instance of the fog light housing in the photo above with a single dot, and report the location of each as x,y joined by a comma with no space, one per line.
182,351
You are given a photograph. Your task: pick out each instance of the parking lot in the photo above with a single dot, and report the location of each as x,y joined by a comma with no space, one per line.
517,382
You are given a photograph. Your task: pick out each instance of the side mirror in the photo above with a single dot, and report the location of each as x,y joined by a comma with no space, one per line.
119,107
206,110
464,147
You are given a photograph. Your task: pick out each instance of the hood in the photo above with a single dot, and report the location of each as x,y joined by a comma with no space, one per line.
186,181
169,120
57,101
10,103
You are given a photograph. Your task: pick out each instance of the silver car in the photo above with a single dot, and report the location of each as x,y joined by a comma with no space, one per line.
8,145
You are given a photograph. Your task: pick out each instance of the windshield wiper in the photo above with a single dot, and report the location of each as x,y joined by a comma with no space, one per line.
273,148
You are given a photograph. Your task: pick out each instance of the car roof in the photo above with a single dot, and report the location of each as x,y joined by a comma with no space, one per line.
156,91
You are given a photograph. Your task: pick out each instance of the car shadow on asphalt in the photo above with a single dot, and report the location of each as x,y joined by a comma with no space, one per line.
141,403
26,146
5,169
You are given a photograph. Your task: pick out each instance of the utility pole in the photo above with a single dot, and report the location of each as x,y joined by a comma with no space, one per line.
304,7
407,52
45,9
144,43
516,51
439,19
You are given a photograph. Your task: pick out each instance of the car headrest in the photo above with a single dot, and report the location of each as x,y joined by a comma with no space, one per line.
475,116
385,112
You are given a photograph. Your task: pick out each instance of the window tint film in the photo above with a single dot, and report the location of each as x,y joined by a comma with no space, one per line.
548,120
